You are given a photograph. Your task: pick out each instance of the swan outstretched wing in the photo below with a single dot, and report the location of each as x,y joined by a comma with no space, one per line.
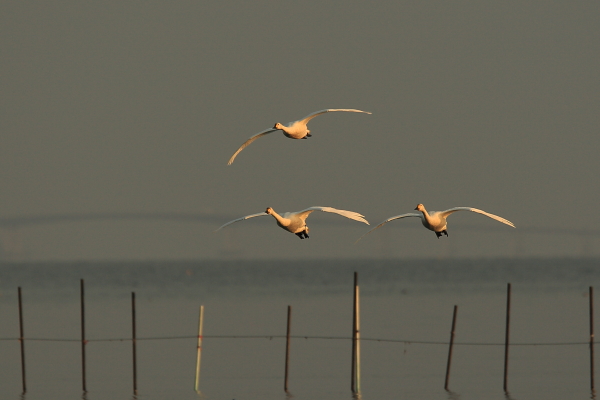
311,116
388,220
476,210
348,214
262,214
247,142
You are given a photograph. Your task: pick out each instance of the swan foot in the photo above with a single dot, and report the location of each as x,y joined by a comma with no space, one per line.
438,234
303,234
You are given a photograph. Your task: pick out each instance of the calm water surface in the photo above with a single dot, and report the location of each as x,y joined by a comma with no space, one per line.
407,301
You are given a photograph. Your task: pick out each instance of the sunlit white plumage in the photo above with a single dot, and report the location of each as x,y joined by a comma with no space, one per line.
293,130
436,220
295,222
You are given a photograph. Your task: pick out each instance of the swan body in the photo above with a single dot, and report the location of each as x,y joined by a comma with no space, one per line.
436,220
293,130
295,222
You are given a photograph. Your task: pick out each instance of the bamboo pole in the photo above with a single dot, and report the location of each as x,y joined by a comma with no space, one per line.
355,376
592,340
134,343
287,349
83,341
199,349
450,348
506,338
22,341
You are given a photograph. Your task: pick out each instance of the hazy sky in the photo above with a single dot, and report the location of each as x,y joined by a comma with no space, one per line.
136,106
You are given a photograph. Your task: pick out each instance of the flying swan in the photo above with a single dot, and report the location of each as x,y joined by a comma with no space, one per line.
293,130
436,221
295,222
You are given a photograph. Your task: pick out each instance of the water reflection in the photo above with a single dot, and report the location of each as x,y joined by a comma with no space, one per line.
508,396
453,395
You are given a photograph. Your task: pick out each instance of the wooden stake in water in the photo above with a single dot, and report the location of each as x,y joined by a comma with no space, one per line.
355,376
134,343
199,352
287,349
592,339
83,341
506,339
22,340
357,339
450,349
353,362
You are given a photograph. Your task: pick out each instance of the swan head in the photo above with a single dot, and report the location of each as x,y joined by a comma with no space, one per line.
420,207
269,211
277,126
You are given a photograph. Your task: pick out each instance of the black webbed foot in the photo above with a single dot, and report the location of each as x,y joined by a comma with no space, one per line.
300,235
445,232
438,234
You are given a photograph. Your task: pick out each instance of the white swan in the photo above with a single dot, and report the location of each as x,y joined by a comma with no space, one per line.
295,222
293,130
436,220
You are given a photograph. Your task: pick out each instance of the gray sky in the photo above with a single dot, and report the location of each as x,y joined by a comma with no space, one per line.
136,106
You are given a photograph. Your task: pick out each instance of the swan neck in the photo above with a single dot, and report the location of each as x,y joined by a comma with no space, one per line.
425,214
279,218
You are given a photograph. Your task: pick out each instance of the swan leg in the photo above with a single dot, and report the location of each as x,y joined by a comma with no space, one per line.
299,234
445,232
438,234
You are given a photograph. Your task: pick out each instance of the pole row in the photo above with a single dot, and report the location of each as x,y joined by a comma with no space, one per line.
355,358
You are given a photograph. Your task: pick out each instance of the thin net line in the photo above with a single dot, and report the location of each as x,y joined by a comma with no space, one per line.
270,337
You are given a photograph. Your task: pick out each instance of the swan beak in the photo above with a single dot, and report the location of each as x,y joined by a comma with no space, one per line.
416,208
